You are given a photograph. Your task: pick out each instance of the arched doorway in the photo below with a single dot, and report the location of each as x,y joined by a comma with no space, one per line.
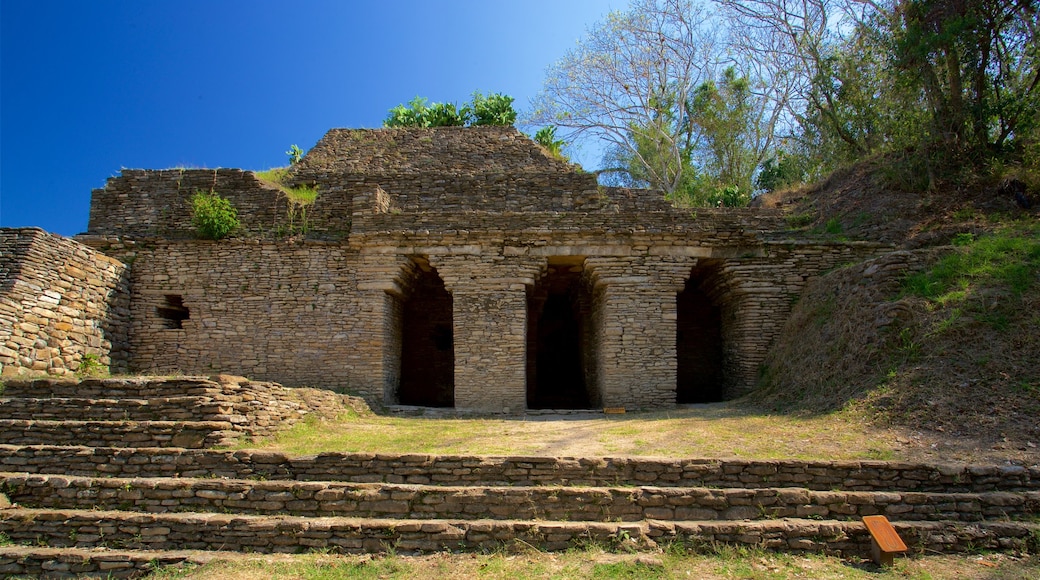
698,341
558,350
427,345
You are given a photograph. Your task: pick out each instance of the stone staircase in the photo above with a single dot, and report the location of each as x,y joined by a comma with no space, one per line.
143,498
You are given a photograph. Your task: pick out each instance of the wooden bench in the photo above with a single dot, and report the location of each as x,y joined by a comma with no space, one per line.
885,541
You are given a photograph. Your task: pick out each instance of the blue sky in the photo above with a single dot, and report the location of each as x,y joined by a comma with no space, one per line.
90,87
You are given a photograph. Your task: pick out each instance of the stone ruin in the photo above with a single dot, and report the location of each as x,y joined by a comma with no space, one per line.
451,267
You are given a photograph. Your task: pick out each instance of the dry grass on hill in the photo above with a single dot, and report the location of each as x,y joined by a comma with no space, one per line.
948,347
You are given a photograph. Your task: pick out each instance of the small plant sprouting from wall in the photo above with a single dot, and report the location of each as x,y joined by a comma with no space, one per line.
91,366
295,154
213,216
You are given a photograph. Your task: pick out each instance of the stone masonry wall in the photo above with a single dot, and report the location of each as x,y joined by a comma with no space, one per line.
318,499
59,301
328,314
283,311
451,470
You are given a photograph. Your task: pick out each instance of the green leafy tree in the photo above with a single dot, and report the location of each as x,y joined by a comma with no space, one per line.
651,83
780,170
213,216
722,111
943,84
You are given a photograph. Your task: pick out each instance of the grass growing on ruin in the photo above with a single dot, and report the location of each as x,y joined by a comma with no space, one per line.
717,430
1009,257
718,563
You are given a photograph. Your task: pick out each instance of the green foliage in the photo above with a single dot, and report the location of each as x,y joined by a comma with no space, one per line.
90,366
1009,258
213,216
494,109
715,157
546,137
722,110
833,227
780,170
295,154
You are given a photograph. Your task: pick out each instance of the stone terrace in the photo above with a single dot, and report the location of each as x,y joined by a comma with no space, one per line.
121,510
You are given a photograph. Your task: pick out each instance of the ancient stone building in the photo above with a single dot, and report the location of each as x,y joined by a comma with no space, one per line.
451,267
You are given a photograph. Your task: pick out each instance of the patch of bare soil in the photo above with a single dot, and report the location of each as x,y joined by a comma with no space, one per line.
955,381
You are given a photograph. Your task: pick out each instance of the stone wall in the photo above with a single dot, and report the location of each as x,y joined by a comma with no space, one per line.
423,469
332,314
288,534
630,504
59,301
268,310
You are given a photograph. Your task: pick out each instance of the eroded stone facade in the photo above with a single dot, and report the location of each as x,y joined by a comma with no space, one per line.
456,267
60,301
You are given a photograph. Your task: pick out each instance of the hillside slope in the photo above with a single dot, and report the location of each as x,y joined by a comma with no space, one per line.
940,340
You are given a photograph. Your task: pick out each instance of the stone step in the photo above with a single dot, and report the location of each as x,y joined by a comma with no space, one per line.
317,499
290,534
519,471
132,434
128,388
41,562
187,408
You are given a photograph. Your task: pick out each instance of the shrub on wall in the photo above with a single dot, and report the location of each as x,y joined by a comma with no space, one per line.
213,216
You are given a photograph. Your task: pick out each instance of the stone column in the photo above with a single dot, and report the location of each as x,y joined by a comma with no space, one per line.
489,306
376,356
635,314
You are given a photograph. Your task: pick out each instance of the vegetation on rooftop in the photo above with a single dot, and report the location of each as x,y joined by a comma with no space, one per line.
494,109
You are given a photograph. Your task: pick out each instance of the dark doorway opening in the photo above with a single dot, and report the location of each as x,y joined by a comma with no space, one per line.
557,353
427,345
698,343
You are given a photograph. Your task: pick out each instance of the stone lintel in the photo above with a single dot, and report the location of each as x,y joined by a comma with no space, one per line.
690,251
738,252
467,250
619,250
623,280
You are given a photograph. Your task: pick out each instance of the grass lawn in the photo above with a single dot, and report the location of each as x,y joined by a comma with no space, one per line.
724,563
712,431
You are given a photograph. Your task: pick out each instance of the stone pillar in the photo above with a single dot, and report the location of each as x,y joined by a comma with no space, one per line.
489,305
376,357
635,314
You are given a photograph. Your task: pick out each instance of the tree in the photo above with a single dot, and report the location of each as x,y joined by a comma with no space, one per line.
951,80
631,83
494,109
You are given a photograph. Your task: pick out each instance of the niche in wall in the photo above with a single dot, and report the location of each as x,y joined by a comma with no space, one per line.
173,312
